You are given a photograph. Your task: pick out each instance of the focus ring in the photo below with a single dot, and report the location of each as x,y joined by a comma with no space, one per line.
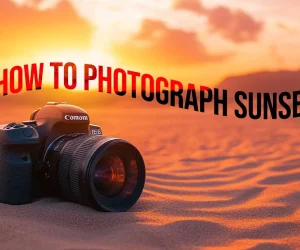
72,158
77,160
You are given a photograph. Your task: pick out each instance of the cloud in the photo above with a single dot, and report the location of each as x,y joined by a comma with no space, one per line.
156,44
26,30
191,5
234,25
237,26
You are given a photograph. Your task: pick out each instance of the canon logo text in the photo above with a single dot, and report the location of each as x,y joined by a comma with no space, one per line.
76,117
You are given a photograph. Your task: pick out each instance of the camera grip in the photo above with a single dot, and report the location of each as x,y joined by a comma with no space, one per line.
15,175
17,142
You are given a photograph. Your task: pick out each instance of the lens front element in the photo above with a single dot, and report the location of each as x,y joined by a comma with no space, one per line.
109,175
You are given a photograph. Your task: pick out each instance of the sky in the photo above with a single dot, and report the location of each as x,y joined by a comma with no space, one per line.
197,41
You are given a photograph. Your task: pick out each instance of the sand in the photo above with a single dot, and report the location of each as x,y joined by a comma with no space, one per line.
212,183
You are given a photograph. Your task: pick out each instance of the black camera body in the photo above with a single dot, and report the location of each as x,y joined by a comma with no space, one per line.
59,153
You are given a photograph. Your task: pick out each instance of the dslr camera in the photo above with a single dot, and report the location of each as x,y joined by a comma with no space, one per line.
59,153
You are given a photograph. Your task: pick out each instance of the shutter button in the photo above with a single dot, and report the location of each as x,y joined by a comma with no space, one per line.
30,123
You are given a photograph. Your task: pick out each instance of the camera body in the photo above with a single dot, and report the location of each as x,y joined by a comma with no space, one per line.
59,153
23,145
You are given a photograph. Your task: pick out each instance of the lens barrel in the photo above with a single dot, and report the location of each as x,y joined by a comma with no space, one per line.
105,173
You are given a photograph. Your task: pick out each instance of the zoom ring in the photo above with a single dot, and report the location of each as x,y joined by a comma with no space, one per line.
72,158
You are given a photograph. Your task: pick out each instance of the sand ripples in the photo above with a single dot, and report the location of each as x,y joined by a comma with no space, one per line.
212,183
243,179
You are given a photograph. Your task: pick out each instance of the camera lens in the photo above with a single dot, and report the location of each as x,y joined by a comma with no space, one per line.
105,173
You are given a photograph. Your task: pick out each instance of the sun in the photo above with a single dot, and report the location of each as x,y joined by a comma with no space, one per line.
79,58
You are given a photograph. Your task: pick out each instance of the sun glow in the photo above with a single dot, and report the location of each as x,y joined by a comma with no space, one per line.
80,58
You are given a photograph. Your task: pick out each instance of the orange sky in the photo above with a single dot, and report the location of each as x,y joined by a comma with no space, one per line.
189,40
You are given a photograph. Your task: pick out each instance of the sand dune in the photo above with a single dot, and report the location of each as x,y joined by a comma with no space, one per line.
212,183
276,81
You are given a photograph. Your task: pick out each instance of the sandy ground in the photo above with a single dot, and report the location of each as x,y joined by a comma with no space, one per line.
212,183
